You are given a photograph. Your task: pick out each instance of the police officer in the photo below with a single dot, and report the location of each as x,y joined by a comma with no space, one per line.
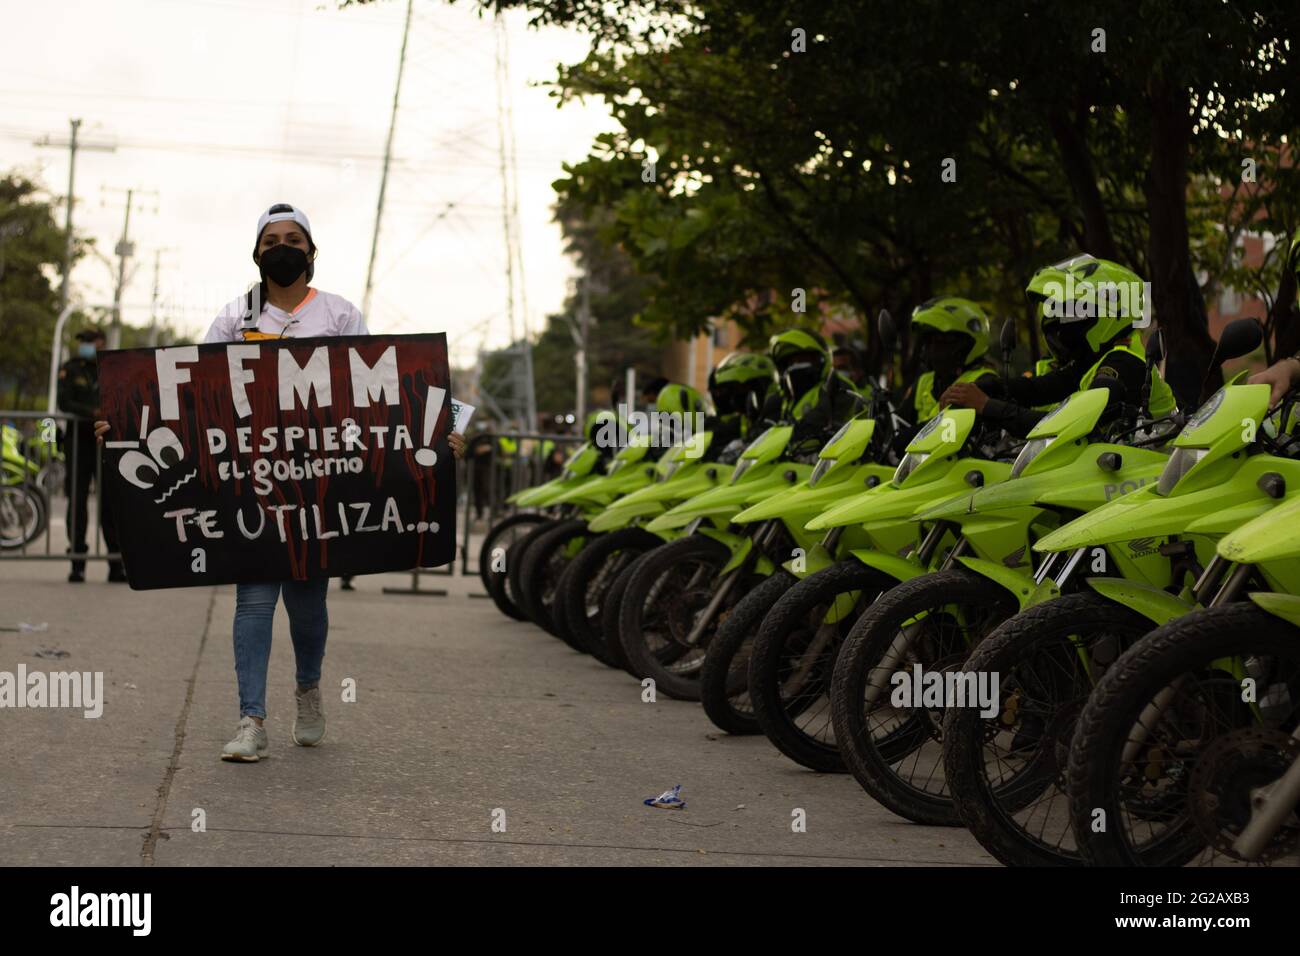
79,395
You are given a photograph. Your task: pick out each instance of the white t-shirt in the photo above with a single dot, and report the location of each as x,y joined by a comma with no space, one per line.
320,313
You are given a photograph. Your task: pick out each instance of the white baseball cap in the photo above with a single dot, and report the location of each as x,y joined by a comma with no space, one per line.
280,212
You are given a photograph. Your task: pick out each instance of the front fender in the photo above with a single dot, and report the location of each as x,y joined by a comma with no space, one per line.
901,569
1020,584
739,546
620,515
1285,606
1159,606
814,559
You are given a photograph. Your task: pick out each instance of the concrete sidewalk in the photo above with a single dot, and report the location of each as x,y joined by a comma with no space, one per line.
459,712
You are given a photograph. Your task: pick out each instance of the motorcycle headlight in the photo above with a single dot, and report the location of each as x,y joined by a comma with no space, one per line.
823,465
908,465
742,466
1180,463
1031,451
1202,414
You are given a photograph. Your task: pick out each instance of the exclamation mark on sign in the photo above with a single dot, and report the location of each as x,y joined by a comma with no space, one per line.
432,409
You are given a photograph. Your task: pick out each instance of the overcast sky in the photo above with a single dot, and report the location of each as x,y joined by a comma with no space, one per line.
219,108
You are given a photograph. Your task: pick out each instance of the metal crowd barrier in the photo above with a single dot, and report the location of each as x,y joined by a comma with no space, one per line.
34,492
486,480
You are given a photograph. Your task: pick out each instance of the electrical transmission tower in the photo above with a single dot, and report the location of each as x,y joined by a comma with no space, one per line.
425,38
519,401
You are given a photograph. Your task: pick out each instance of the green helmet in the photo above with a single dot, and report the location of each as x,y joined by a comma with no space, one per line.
742,367
782,346
1098,298
681,399
736,378
595,420
798,378
950,313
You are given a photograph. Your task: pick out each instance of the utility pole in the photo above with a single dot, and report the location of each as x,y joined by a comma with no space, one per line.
580,356
73,145
67,219
523,391
125,249
153,302
388,155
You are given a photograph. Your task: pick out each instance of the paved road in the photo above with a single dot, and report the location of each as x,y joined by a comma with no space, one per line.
459,712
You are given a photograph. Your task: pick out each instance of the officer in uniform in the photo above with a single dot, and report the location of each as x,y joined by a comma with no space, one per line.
79,395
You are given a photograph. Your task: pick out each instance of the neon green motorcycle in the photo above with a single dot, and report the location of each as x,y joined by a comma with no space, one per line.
536,562
876,544
892,680
24,509
585,464
591,588
846,465
634,488
677,593
1187,750
1147,552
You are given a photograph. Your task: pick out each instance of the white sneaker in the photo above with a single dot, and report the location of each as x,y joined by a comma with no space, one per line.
309,725
249,744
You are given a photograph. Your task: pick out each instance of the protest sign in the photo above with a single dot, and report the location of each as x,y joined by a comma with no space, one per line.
280,460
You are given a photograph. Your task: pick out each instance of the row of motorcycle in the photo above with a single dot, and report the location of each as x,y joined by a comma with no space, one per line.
30,473
1084,646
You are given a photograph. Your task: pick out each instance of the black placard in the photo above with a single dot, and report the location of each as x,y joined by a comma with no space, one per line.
280,459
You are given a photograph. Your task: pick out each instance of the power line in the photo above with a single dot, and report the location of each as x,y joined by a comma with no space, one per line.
326,154
388,155
72,145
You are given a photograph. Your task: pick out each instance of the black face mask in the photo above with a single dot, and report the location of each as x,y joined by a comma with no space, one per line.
283,264
801,377
943,355
1067,341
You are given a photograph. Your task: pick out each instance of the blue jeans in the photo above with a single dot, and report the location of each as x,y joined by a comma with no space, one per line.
308,626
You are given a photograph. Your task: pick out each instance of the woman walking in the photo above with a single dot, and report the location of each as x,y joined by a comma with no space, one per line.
284,305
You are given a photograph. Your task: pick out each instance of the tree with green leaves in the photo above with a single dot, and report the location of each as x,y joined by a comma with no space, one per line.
874,156
616,295
31,251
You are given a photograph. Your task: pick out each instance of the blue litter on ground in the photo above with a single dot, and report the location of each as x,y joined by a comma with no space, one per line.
668,800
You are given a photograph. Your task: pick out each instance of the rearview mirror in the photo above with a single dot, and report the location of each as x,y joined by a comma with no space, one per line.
886,330
1156,348
1007,337
1239,337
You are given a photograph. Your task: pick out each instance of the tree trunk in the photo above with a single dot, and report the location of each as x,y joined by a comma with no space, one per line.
1076,161
1178,305
1282,320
